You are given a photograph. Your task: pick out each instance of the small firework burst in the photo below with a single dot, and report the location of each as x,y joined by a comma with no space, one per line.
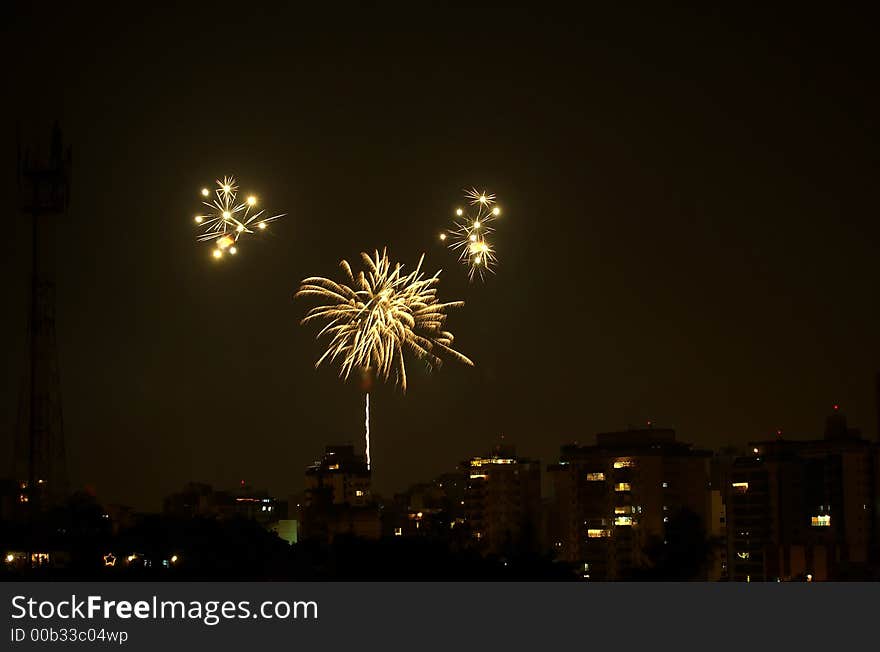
229,218
469,236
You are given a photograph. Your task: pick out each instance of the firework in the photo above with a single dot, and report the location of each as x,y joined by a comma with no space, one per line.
372,322
469,236
379,316
367,427
229,218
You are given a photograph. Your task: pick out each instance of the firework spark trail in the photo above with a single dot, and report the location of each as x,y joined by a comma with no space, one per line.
469,235
228,218
367,425
381,315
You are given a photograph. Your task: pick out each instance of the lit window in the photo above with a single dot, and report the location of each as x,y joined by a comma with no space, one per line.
623,520
595,477
475,476
623,486
595,533
740,487
358,493
623,509
823,520
665,485
743,555
623,464
483,461
666,519
398,531
333,467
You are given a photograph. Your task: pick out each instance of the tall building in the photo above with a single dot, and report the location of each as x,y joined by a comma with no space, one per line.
717,532
719,479
805,509
338,498
613,499
39,457
502,502
340,476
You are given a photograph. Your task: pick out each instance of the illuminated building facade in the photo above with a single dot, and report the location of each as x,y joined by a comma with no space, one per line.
502,502
341,475
612,499
338,497
799,509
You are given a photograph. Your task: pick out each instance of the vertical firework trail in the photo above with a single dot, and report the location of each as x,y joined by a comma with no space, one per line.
367,424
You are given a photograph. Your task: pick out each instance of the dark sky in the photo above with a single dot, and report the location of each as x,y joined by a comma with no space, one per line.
690,231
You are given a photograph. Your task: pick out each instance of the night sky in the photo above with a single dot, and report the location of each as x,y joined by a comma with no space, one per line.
690,228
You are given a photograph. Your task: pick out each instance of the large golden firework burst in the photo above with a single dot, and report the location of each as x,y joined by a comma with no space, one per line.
380,314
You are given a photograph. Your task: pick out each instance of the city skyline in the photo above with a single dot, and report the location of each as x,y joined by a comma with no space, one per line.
637,504
714,251
546,466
